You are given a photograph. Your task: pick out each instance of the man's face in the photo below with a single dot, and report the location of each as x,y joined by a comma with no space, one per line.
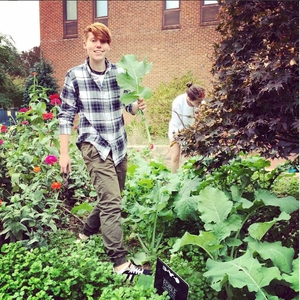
96,49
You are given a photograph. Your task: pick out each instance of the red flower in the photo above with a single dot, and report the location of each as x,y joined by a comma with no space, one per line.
54,96
151,146
48,116
1,202
56,185
4,128
50,159
1,142
25,122
55,99
23,109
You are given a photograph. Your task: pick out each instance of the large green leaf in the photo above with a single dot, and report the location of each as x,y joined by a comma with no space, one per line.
287,204
206,240
258,230
188,186
132,78
214,205
223,229
293,278
135,69
241,272
282,257
186,208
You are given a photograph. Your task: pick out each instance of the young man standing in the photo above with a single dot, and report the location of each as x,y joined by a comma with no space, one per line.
91,91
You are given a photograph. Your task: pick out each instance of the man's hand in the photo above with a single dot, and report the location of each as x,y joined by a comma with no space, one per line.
138,105
65,163
141,104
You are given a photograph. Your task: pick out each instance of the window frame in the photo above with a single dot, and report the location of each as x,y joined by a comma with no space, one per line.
206,10
168,14
103,19
70,26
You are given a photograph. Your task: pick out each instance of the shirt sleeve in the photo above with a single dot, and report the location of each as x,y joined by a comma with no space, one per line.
68,107
175,123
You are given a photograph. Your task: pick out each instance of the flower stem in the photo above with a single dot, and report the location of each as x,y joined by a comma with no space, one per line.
146,126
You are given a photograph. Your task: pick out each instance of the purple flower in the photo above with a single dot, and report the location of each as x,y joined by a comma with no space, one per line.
50,159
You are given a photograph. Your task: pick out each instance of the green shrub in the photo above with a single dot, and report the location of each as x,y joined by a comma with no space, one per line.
287,184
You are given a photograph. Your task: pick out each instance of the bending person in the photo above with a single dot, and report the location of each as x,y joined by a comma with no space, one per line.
183,114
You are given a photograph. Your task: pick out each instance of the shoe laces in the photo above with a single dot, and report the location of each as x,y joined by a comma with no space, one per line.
132,269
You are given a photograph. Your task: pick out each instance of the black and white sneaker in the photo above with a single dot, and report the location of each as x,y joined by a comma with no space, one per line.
132,270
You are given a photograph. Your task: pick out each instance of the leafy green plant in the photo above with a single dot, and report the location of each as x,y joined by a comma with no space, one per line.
32,189
66,270
131,81
238,255
153,237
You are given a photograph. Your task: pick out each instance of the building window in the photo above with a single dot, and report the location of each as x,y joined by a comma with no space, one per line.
209,10
70,19
171,14
101,11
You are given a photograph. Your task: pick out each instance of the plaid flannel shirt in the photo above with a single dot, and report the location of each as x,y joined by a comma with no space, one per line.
99,109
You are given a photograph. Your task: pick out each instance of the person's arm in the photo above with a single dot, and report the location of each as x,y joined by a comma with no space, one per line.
66,119
175,123
64,159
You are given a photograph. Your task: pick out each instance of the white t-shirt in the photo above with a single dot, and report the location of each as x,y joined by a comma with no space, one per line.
182,113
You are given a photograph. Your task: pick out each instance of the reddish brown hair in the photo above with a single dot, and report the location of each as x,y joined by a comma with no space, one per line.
99,30
195,91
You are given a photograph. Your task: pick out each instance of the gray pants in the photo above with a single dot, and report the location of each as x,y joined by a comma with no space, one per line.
108,181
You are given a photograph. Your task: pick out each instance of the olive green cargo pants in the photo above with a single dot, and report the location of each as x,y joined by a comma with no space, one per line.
108,181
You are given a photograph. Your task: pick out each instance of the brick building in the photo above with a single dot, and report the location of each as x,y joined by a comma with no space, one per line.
176,36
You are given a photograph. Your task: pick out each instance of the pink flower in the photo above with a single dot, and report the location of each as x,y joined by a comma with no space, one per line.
1,142
54,96
75,127
25,122
48,116
151,146
4,128
50,159
23,109
55,101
